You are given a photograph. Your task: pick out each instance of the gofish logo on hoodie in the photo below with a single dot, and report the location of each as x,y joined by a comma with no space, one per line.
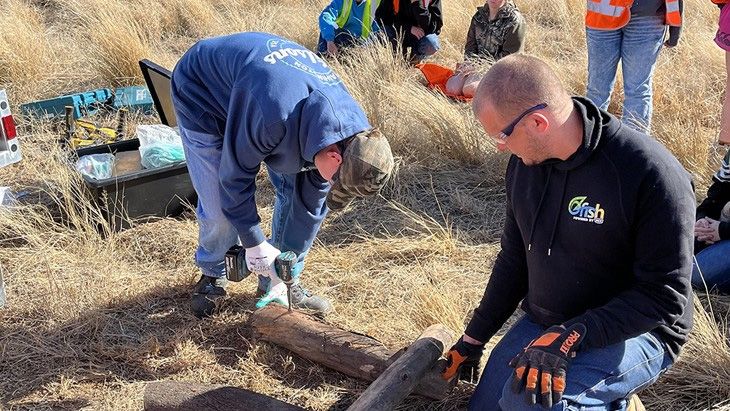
296,56
581,210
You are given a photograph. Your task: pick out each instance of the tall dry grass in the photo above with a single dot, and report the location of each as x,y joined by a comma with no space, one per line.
91,315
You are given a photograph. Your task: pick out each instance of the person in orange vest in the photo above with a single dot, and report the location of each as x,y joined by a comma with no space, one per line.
632,32
722,39
412,24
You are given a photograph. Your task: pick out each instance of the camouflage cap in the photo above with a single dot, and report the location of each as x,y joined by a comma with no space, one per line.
366,165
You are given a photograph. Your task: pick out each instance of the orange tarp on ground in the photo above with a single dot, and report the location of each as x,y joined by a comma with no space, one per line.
437,76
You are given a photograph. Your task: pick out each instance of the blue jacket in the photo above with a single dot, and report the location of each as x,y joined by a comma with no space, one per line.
270,100
327,24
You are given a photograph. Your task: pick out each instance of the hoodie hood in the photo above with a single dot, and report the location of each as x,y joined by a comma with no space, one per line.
320,125
594,121
597,126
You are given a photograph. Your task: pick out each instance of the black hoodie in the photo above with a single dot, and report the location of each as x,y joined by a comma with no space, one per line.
603,238
425,14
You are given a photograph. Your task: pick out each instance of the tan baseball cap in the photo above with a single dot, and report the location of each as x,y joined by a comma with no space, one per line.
366,166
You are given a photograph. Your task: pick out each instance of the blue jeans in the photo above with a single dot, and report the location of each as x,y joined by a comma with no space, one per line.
216,234
597,379
714,262
343,39
421,48
637,45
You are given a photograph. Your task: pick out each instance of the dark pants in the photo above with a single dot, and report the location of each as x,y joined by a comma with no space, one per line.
419,48
343,39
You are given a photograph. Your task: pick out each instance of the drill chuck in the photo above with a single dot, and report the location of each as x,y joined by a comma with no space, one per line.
285,265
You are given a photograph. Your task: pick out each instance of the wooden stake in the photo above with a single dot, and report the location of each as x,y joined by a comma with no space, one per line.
353,354
401,377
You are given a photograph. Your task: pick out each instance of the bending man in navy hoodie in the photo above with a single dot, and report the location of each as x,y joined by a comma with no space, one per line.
252,98
597,245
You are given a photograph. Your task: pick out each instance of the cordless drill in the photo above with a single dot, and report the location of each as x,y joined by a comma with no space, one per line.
236,268
284,265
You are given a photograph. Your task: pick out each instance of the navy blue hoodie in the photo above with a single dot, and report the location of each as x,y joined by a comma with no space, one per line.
270,100
604,238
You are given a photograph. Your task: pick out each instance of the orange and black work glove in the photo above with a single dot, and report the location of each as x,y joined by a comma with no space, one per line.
463,358
542,365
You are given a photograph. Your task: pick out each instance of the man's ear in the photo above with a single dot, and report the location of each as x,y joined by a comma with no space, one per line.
539,122
334,155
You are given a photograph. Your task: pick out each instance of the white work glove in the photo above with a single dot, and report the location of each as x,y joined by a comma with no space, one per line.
277,293
260,260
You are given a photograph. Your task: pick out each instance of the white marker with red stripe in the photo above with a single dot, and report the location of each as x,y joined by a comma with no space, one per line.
9,145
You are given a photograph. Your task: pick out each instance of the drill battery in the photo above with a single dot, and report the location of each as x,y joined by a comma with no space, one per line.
236,268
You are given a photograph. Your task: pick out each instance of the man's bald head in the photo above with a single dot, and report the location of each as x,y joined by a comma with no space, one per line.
518,82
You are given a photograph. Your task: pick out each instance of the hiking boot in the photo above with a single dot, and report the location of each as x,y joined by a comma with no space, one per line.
635,404
304,299
207,294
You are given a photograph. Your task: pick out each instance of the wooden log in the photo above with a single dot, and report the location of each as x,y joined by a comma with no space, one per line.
401,377
353,354
178,396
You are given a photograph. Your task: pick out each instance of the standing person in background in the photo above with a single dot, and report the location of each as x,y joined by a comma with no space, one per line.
345,23
413,24
630,31
722,39
497,30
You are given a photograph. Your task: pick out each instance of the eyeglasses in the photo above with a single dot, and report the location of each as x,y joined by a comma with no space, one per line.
507,131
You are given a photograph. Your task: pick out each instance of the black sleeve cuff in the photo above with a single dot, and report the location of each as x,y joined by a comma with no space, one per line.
724,230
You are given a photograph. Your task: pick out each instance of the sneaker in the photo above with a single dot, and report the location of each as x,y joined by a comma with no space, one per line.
207,294
304,299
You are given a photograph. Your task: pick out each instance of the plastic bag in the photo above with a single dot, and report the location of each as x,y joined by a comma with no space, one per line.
96,166
160,155
159,146
7,198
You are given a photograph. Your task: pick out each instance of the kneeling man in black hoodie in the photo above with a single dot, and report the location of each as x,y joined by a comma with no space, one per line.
597,245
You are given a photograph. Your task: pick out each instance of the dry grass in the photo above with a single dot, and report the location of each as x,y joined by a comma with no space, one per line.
90,317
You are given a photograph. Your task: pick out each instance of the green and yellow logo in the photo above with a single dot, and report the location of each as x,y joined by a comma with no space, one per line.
581,210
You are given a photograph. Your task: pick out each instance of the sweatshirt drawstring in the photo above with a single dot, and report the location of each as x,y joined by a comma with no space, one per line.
557,217
539,207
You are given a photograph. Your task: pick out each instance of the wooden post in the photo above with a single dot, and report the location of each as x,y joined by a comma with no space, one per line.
121,131
401,377
179,396
353,354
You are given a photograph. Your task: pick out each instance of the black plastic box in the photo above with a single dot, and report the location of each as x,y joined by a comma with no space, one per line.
159,192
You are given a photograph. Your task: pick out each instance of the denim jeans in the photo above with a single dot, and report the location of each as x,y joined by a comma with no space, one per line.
714,263
597,379
216,234
637,46
420,48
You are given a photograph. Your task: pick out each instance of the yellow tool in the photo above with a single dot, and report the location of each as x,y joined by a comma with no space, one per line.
81,133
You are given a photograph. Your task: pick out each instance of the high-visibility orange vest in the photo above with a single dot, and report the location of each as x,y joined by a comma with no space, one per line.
614,14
